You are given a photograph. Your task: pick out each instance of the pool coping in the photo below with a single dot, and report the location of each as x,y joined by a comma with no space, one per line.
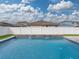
36,36
72,40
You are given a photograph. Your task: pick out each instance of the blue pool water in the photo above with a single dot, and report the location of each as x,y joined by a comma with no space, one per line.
57,48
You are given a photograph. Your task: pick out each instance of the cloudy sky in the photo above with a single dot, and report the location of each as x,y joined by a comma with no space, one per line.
33,10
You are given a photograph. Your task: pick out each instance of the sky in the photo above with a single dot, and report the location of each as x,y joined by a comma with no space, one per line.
33,10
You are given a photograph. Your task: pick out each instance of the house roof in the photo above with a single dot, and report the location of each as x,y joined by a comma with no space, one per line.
5,24
43,23
69,23
22,24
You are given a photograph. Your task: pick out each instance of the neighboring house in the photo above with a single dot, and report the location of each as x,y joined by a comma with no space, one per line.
43,23
69,23
4,24
77,24
22,24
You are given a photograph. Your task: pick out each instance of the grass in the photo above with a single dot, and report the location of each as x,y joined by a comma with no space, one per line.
6,36
71,34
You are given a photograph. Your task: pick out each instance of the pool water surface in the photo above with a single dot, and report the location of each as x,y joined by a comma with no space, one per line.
39,48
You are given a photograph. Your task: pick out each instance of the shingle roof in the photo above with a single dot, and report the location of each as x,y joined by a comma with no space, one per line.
43,23
5,24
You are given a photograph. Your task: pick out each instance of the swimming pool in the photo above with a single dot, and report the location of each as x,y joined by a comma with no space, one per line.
39,48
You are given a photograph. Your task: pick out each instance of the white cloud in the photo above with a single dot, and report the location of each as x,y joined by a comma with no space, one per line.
74,16
28,9
13,7
59,6
19,12
7,8
55,18
26,1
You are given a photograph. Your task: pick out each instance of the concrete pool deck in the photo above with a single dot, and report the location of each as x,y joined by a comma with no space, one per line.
73,38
